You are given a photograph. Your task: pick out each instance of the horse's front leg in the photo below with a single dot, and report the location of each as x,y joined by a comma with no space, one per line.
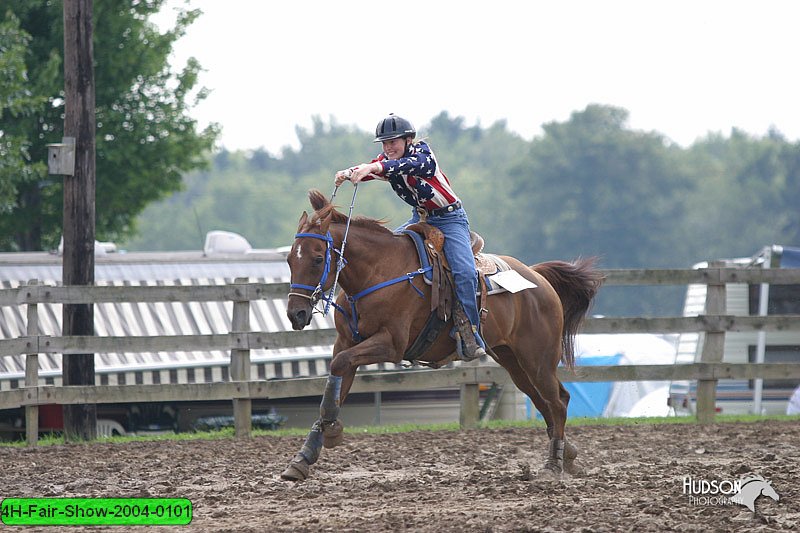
328,431
375,349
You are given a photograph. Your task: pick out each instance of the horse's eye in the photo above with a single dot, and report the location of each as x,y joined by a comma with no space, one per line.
318,260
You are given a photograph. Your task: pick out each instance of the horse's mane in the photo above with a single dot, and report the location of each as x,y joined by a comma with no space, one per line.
323,208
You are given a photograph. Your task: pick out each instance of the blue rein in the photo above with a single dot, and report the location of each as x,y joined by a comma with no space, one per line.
317,291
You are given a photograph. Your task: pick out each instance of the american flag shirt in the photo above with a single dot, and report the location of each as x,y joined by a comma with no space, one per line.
416,178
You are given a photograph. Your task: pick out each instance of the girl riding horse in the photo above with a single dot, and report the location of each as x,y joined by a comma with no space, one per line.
415,175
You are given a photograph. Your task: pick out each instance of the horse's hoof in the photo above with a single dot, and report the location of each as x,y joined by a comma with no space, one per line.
570,466
574,469
552,470
297,471
332,434
570,451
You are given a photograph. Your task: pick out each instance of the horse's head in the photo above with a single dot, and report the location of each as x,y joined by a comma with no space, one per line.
311,261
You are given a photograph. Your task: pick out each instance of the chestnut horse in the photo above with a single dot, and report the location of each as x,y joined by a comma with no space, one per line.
528,331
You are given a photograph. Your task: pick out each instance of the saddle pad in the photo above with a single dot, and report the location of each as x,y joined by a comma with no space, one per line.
416,238
512,281
489,265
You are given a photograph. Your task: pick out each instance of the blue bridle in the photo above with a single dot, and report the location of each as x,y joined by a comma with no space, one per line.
317,290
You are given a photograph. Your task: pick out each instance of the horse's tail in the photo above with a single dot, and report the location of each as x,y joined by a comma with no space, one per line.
576,284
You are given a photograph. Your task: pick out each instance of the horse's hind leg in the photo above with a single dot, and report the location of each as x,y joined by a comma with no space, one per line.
570,451
524,384
549,389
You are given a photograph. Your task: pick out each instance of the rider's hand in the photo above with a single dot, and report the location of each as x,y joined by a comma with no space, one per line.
362,171
343,175
358,173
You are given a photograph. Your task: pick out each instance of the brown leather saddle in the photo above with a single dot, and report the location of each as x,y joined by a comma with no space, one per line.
442,287
442,284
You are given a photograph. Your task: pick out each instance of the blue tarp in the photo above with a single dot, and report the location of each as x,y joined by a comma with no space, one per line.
587,398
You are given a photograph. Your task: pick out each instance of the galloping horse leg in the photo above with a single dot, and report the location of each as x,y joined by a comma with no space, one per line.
523,383
309,452
570,451
542,386
307,456
548,387
377,348
332,427
326,432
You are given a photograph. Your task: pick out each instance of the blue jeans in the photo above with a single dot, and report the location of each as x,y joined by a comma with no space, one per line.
458,251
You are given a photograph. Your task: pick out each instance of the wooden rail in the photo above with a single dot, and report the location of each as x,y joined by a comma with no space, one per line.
715,323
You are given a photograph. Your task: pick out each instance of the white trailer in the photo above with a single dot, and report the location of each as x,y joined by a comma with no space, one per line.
745,396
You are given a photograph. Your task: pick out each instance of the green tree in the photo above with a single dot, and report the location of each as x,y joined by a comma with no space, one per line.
16,101
597,187
146,139
257,195
749,187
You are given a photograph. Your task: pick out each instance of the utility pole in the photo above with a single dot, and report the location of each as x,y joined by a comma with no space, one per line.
80,421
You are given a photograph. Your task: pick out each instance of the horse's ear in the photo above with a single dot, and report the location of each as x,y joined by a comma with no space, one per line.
325,223
317,199
303,221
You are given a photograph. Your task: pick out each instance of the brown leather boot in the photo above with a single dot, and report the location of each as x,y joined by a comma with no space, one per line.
465,339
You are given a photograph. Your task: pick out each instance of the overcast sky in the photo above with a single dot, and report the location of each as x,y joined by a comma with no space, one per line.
682,68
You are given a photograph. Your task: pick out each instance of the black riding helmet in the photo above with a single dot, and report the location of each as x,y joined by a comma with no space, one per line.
393,127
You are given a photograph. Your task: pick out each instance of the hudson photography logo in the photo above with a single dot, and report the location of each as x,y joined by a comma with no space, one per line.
744,491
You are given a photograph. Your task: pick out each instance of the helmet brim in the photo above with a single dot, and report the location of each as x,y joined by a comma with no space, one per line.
389,137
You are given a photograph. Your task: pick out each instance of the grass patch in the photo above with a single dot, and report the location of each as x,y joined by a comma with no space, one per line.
371,430
55,440
539,424
228,433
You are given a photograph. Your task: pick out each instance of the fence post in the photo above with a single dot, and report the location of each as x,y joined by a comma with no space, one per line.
240,359
713,346
32,371
469,412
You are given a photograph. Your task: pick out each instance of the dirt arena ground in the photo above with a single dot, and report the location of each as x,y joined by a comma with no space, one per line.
481,480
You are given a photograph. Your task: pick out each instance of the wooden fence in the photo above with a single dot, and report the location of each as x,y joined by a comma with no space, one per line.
241,390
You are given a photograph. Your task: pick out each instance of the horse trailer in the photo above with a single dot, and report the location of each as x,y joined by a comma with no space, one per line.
744,396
